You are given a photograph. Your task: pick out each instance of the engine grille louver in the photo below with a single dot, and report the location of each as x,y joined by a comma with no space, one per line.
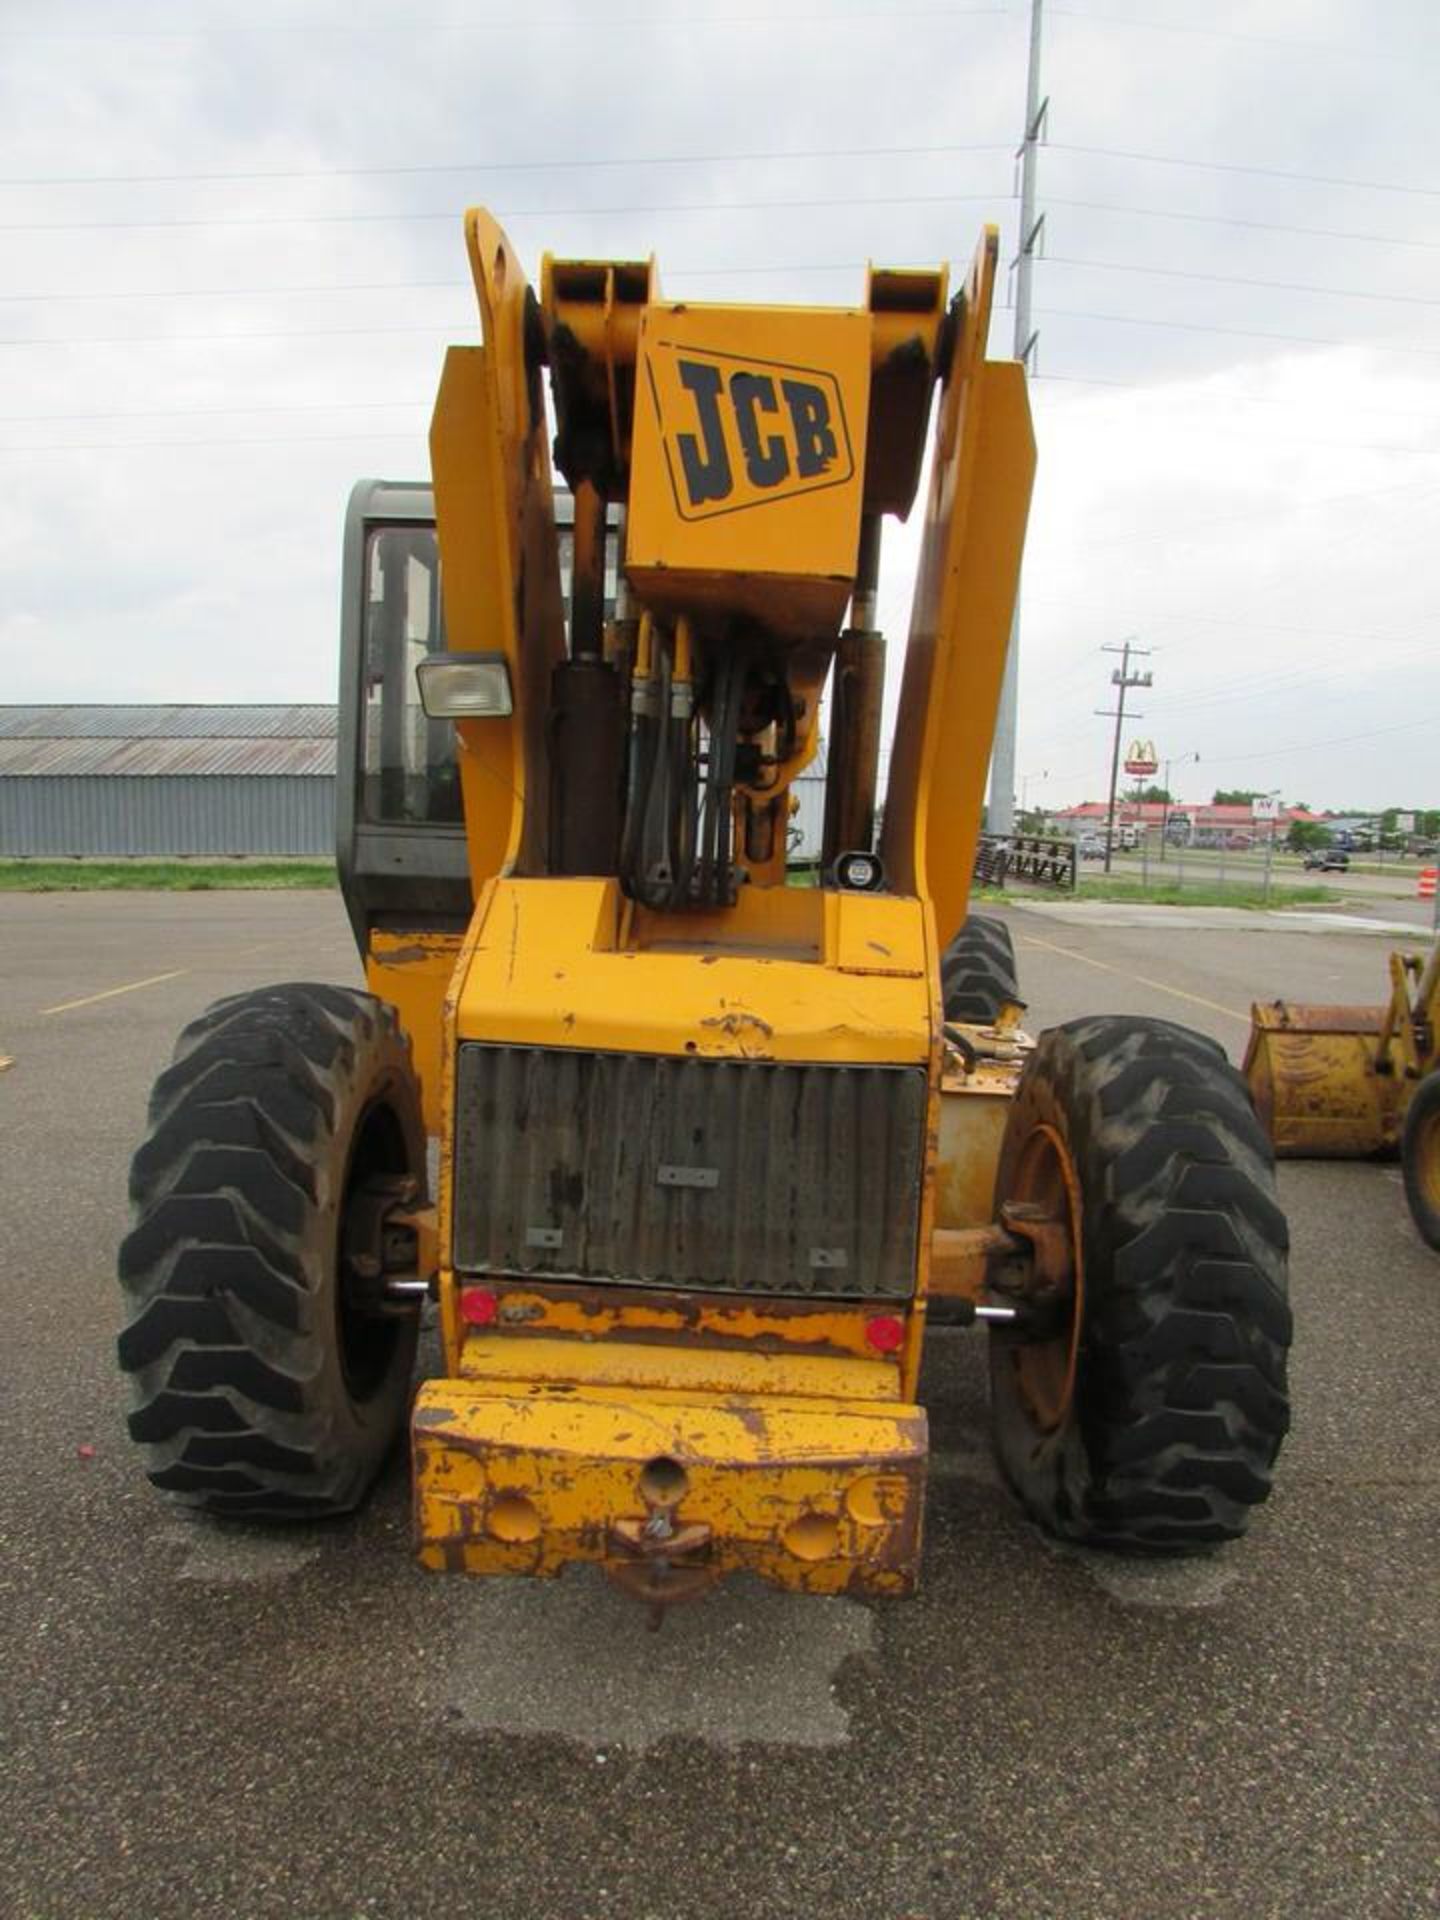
725,1176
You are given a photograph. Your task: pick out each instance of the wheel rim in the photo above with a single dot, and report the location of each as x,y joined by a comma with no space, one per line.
366,1341
1045,1369
1426,1162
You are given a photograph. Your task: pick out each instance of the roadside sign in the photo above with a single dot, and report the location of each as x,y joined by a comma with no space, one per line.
1265,809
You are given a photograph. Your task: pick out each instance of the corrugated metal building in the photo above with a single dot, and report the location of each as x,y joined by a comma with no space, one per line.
135,781
167,780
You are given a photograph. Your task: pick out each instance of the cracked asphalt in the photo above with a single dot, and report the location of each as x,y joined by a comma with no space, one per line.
200,1722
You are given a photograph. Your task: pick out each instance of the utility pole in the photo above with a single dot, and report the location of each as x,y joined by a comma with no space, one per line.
1176,760
1122,678
1000,817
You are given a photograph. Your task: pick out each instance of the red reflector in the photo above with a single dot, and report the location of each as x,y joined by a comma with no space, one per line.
478,1306
885,1332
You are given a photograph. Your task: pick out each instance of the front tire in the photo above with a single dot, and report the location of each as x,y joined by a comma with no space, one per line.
978,980
1146,1413
1420,1159
262,1384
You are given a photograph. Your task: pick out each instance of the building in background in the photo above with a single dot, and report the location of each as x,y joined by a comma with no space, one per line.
171,781
1192,825
167,780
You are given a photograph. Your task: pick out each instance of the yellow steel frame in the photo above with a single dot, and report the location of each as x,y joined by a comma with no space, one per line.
801,1448
825,1495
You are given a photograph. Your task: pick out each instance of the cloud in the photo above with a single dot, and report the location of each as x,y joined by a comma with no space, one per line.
1254,507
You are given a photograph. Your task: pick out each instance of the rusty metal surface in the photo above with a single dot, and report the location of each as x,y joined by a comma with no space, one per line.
570,1311
961,1260
826,1496
701,1367
730,1176
1315,1085
974,1106
1284,1016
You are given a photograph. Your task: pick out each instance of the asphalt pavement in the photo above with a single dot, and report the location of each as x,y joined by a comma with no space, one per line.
201,1721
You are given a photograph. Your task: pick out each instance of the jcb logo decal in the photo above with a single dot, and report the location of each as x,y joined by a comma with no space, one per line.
738,433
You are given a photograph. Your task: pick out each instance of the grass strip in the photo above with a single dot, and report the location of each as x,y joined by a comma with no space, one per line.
162,876
1165,893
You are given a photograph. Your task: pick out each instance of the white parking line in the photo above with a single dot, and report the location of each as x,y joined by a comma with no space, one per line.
1140,979
131,986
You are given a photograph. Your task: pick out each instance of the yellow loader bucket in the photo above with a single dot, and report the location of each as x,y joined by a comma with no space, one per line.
1317,1080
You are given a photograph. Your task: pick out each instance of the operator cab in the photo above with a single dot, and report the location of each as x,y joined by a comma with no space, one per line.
400,826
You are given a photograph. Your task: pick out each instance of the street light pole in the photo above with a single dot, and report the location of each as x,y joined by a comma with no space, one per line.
1025,780
1000,815
1179,761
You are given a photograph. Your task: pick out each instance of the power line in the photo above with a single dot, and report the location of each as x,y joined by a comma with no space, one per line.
1250,516
1257,436
267,293
1160,390
450,214
1264,173
391,286
525,21
213,339
1305,746
1240,333
1187,616
1255,226
1237,280
200,413
587,163
269,440
1289,44
582,164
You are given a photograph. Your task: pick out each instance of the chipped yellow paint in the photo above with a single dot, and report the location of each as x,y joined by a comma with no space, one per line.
822,1495
412,971
599,1313
1336,1082
974,1107
690,1369
781,552
800,1451
560,963
981,470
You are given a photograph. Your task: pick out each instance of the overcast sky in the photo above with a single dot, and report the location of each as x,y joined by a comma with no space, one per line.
233,256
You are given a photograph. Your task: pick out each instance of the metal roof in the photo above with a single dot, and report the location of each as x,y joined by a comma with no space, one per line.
92,741
91,758
311,721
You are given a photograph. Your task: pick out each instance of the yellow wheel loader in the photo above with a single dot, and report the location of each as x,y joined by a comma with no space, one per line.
1357,1083
687,1155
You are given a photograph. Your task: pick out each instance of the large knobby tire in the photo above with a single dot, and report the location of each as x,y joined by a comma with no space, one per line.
1151,1418
1420,1159
259,1388
977,972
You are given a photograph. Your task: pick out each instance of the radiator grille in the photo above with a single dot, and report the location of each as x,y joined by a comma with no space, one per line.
726,1176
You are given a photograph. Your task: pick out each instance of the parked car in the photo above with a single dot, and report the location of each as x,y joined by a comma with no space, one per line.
1090,846
1327,860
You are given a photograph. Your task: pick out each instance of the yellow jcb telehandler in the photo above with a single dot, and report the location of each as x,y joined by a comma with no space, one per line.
1358,1083
709,1147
